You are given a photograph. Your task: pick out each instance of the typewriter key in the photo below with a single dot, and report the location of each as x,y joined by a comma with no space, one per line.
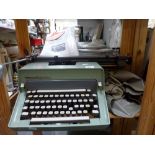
79,112
40,96
33,113
37,107
42,101
63,101
82,95
47,101
73,112
30,96
28,92
35,96
44,113
91,100
71,95
95,112
87,105
81,105
64,106
25,107
31,101
94,95
76,106
56,95
24,115
87,95
69,101
62,112
42,107
51,96
46,96
77,95
50,112
33,91
85,111
85,100
53,101
74,101
48,107
67,112
59,106
61,95
56,112
36,101
88,90
67,95
39,113
31,107
70,108
58,101
27,101
80,100
95,106
54,107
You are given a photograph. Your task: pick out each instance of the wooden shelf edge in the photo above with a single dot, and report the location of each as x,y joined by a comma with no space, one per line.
112,116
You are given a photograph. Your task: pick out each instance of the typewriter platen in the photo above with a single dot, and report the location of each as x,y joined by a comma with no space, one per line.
60,97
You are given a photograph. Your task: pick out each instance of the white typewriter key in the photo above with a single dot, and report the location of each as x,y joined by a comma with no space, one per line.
31,107
81,106
88,90
85,111
79,112
59,106
74,101
47,101
35,96
50,112
30,96
70,108
37,107
42,101
73,112
25,113
58,101
64,101
87,95
28,92
56,95
33,113
91,100
53,101
32,101
56,112
46,96
94,95
69,101
37,101
64,106
76,106
33,91
51,95
42,107
40,96
66,95
82,95
54,107
48,107
77,95
45,113
67,112
87,105
85,100
39,113
71,95
62,112
80,100
27,101
95,106
95,111
61,95
25,107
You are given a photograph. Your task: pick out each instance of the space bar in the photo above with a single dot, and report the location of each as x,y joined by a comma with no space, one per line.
50,120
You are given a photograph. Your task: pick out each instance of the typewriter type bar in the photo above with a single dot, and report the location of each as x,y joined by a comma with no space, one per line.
80,119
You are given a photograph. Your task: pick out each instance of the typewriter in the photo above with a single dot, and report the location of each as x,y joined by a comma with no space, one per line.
60,97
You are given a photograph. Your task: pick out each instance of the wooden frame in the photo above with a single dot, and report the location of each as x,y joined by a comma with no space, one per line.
133,44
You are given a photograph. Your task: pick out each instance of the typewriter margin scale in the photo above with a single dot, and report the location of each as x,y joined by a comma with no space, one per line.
88,70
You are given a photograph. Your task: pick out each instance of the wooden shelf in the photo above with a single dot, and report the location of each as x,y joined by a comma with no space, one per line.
112,116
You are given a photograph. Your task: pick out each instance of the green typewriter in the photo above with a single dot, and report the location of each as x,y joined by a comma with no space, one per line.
60,97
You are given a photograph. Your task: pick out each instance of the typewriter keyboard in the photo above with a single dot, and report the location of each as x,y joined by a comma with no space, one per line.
74,105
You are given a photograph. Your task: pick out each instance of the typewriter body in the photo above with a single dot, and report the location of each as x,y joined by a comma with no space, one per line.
60,97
